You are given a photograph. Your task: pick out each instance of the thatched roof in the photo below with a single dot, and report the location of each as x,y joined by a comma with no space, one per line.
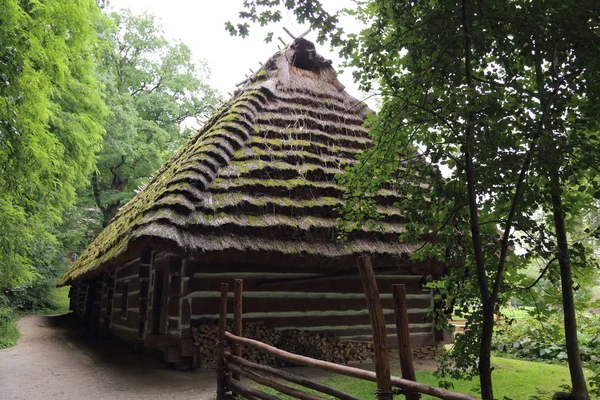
260,176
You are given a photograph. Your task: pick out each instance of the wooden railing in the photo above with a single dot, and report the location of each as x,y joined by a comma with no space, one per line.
231,366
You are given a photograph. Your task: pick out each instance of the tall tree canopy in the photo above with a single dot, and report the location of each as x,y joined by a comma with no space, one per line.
505,95
152,85
51,113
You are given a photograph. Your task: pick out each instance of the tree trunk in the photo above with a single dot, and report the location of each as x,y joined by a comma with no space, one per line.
579,387
487,300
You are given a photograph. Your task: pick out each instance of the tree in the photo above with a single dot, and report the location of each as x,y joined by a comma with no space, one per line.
152,86
504,95
51,112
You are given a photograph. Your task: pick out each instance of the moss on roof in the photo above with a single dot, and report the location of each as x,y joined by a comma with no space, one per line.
260,174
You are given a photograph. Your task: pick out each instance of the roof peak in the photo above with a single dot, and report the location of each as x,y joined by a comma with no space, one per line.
300,57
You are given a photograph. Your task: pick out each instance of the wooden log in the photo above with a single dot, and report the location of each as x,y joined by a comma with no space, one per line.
298,394
382,360
237,318
289,377
248,393
348,371
404,348
221,370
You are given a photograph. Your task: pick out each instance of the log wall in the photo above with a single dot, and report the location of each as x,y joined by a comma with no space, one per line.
310,300
124,311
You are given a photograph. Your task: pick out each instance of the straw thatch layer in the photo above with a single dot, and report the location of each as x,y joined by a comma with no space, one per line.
260,176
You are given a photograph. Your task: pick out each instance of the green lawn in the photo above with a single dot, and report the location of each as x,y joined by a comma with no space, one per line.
513,379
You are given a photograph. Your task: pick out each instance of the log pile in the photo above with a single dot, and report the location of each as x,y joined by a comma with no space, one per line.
425,352
316,345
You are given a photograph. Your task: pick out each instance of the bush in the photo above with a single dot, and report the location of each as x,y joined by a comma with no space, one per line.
526,337
8,327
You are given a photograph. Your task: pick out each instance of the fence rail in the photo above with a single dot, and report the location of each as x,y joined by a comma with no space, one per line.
231,366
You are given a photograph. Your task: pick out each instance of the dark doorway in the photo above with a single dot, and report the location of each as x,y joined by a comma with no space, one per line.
158,303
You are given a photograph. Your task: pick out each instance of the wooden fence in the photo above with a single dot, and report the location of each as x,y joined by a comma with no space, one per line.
231,366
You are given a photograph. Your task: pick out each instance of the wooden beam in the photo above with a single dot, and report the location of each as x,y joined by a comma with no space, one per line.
404,348
246,392
237,318
382,359
298,394
221,369
348,371
289,377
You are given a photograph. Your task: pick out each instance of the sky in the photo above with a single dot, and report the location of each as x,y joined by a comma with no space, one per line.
200,24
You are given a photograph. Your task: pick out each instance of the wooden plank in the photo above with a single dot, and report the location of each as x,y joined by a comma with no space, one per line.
221,370
404,348
272,383
252,304
248,393
382,360
290,378
330,285
347,371
237,318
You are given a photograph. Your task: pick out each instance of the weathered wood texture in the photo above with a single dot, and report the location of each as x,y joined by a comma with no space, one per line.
313,299
298,394
237,318
404,347
221,370
382,360
289,377
348,371
247,392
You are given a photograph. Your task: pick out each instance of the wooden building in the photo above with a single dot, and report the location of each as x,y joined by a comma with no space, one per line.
253,195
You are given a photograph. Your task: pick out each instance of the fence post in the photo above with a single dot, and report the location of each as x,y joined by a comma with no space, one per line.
221,369
382,360
404,348
237,319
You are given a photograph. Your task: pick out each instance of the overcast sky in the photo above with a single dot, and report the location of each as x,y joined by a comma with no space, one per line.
200,25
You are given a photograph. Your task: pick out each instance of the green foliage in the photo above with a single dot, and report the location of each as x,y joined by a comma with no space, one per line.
50,123
8,327
506,107
534,339
152,86
542,337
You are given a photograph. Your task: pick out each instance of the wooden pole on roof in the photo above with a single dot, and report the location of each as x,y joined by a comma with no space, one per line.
237,319
404,348
221,369
289,33
382,359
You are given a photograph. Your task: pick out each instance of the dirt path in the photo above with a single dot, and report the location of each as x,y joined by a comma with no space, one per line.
54,359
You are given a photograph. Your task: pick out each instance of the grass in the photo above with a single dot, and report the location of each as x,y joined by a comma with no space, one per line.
513,379
8,328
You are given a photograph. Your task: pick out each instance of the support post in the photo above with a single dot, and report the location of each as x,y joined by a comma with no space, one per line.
221,369
237,319
404,348
382,360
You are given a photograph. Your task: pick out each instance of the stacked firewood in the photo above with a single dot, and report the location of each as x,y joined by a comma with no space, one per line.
316,345
425,352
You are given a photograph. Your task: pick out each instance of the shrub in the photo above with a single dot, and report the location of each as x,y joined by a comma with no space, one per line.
8,327
528,338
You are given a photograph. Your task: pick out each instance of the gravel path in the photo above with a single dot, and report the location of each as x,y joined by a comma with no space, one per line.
54,359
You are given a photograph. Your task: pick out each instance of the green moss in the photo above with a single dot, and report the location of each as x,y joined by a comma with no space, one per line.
261,73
